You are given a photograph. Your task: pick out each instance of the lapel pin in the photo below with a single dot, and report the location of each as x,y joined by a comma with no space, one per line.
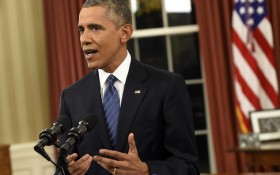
137,91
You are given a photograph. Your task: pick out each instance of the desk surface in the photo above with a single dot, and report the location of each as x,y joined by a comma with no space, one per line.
263,158
264,147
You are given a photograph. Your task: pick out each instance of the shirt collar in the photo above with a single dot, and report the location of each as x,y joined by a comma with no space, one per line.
120,73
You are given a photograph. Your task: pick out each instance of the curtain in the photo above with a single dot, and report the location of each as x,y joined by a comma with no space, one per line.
66,62
274,13
24,100
214,20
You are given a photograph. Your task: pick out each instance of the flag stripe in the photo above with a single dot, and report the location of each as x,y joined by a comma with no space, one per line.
253,64
265,66
245,70
264,27
247,91
264,45
242,98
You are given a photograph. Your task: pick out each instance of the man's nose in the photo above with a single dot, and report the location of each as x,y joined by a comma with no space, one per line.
85,38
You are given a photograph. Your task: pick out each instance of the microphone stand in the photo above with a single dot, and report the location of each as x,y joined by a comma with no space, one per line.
62,163
59,170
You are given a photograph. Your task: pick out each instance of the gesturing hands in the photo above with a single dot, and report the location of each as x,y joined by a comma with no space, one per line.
122,163
118,163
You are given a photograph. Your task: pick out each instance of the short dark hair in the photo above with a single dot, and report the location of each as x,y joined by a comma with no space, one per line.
117,10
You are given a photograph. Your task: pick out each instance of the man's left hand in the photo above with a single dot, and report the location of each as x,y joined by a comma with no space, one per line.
122,163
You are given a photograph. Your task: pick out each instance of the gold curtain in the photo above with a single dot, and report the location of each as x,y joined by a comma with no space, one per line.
24,102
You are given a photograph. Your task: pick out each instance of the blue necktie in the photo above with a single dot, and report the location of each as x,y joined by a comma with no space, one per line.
111,105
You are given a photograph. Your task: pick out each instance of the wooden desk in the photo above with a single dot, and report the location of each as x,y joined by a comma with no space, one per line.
5,162
263,158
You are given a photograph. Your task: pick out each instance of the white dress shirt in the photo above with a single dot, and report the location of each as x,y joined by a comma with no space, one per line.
120,73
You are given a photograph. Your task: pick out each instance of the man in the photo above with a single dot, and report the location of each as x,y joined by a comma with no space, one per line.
154,127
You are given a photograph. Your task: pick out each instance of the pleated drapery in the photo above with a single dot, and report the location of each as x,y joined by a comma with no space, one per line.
66,63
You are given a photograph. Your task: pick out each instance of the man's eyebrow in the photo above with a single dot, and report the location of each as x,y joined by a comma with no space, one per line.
90,26
94,25
80,27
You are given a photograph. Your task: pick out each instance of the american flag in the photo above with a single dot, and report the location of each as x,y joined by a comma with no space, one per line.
255,79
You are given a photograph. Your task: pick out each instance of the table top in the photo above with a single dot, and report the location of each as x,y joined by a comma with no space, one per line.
273,146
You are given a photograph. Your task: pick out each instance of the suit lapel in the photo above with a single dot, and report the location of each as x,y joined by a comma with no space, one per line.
93,103
134,93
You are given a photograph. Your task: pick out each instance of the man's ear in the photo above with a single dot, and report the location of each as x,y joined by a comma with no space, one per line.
126,32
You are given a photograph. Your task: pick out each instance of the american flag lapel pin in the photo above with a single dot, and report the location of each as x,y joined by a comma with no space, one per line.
137,91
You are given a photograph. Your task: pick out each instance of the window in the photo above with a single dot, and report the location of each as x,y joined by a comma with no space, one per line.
166,36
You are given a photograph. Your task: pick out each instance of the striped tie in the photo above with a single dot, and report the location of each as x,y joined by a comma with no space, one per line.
111,104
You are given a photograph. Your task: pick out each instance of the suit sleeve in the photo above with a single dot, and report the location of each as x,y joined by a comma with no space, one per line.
179,137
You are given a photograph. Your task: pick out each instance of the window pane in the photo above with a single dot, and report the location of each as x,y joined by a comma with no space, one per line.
180,13
186,58
197,100
148,14
153,52
202,146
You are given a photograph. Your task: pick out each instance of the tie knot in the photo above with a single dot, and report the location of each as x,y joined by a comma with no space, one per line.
111,79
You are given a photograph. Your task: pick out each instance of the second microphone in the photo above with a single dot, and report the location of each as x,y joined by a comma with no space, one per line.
76,134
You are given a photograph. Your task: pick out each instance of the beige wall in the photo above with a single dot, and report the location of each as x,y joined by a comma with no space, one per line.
24,103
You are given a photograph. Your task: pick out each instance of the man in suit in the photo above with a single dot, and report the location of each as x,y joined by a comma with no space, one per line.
155,130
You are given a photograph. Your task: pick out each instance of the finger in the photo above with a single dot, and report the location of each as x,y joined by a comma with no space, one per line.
84,167
77,166
106,162
113,154
111,164
105,166
71,158
132,144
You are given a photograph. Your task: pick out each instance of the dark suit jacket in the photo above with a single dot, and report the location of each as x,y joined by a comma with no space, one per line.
160,118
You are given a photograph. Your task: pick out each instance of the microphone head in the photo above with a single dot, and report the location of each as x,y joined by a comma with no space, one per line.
64,120
91,121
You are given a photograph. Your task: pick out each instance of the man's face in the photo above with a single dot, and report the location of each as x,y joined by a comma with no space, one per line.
100,39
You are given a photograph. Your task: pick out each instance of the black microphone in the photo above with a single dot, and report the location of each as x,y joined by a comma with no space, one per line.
76,134
49,135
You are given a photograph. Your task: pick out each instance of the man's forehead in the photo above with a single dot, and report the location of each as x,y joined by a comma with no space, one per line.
96,14
97,11
92,13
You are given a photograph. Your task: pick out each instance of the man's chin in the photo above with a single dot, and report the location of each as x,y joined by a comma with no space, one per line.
92,66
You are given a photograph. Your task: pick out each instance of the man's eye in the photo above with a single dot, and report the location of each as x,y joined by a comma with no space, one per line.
81,31
95,28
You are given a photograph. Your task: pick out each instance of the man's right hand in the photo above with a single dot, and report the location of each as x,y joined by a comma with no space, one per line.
80,166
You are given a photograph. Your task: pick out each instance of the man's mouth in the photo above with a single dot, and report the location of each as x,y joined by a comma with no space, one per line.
90,51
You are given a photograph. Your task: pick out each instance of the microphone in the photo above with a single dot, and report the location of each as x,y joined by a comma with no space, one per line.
76,134
49,135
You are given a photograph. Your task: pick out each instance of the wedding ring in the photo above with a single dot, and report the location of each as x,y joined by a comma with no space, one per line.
115,169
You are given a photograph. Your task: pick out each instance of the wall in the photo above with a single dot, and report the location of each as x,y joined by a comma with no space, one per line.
24,103
25,161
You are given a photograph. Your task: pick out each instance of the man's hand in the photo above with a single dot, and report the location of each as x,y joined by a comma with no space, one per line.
80,166
122,163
